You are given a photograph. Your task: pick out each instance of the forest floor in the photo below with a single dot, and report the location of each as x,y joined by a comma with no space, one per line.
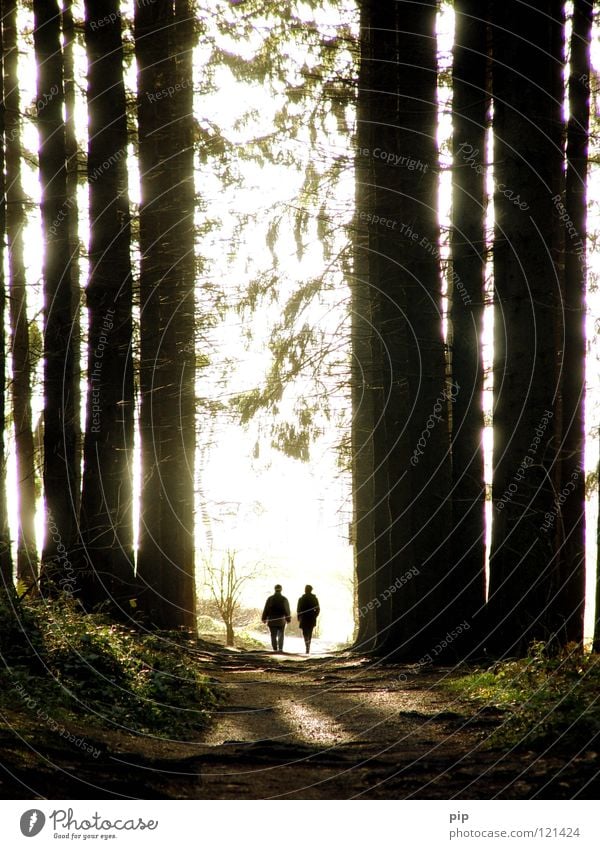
329,726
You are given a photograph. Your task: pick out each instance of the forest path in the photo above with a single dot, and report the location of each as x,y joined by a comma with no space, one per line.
336,726
344,726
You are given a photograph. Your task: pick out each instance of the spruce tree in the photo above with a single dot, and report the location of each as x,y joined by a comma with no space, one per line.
27,557
107,494
528,166
59,474
470,107
6,568
571,522
163,40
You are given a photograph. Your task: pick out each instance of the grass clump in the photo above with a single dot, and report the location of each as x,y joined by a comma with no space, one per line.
85,665
545,698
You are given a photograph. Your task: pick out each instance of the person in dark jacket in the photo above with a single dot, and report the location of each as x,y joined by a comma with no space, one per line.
308,609
276,615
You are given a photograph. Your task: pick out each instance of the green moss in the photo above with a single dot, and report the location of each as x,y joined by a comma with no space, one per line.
86,665
545,698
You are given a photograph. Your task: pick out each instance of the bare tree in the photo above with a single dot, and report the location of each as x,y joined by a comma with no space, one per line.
225,584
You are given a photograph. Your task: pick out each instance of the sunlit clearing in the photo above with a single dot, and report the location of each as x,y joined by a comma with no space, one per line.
286,519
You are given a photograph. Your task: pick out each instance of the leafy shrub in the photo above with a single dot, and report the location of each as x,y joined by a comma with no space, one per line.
148,683
546,697
20,638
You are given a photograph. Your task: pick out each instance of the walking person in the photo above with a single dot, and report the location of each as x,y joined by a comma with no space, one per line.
276,615
308,609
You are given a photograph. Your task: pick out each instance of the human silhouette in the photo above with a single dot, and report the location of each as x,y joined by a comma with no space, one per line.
308,609
276,615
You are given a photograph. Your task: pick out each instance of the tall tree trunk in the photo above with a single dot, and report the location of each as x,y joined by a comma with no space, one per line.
6,568
596,639
571,599
369,455
151,49
107,494
389,347
27,557
528,163
166,551
59,371
423,608
398,219
379,345
470,105
364,385
178,324
72,151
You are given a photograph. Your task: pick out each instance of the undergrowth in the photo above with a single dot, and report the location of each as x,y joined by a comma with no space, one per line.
77,665
544,698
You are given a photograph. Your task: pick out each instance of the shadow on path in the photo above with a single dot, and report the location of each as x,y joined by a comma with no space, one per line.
329,726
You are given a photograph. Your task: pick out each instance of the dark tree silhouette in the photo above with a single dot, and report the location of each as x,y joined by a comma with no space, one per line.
417,455
388,284
177,392
6,569
596,640
59,367
163,38
151,49
380,329
363,389
421,611
470,107
397,214
528,166
27,558
571,599
72,152
107,496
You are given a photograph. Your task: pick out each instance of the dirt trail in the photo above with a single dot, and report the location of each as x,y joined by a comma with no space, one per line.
324,727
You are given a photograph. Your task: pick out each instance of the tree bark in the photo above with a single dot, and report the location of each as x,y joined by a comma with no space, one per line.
389,346
27,556
6,567
72,151
397,223
596,639
423,608
470,107
163,36
571,597
107,493
59,366
528,163
363,386
151,48
178,321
